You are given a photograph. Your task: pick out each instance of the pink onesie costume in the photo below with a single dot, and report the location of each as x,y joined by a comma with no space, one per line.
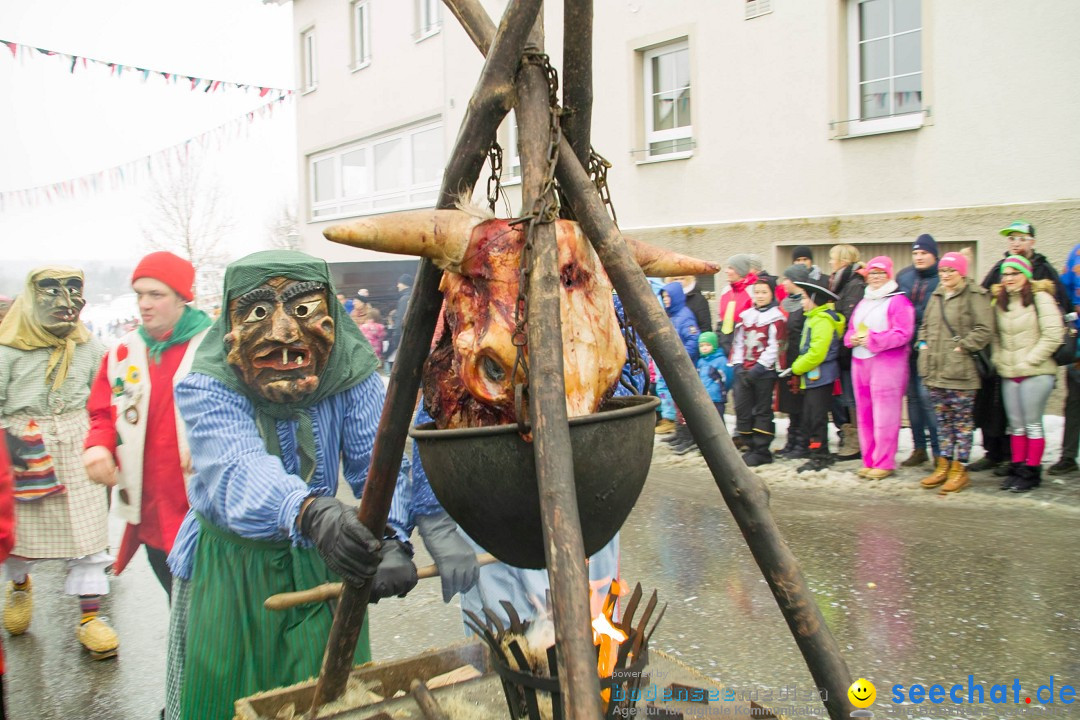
879,373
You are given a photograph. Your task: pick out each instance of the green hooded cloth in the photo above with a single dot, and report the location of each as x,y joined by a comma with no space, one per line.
351,359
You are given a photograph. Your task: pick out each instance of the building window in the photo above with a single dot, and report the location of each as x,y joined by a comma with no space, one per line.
361,33
885,65
668,130
309,70
427,18
390,172
757,8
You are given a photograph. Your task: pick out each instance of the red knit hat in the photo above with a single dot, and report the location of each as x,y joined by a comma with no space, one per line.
173,270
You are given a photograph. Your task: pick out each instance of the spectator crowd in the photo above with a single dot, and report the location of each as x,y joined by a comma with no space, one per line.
863,342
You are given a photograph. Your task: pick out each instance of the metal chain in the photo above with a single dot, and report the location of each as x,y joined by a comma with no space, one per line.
598,170
494,184
545,210
633,355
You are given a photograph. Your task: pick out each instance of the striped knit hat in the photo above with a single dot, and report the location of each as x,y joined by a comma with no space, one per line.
1018,263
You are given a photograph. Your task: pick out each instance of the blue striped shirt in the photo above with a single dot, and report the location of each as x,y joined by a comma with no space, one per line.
241,487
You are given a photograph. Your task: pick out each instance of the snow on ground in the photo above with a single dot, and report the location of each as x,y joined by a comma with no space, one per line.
1055,492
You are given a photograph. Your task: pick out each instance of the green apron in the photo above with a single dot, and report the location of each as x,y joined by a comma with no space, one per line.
235,647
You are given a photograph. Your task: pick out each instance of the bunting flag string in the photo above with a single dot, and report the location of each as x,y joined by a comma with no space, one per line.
134,171
72,62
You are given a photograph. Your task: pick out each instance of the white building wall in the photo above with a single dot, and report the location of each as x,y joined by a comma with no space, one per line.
1000,129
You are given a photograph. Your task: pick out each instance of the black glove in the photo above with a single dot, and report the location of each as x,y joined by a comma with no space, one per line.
715,375
348,548
453,556
397,574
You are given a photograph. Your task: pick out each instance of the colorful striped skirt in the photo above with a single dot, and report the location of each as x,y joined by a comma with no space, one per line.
231,646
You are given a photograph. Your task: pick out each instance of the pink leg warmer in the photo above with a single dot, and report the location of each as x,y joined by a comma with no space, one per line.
1035,447
1019,444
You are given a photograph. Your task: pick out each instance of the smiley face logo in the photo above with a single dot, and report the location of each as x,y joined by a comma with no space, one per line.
862,693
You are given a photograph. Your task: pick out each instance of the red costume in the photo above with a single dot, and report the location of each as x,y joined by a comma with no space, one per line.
7,514
164,497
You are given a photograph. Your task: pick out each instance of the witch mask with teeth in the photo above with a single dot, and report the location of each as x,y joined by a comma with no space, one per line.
281,337
58,300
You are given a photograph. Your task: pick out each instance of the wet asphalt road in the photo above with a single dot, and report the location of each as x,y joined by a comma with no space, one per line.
913,591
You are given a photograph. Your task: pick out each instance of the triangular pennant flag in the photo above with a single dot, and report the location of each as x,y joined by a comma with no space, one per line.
13,47
263,91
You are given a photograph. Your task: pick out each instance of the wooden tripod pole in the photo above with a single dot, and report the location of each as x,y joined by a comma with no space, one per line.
490,102
564,547
577,76
741,489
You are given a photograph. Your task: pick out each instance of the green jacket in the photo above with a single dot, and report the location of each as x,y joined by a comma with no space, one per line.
819,347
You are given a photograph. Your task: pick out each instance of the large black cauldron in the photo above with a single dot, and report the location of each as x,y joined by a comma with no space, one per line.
485,477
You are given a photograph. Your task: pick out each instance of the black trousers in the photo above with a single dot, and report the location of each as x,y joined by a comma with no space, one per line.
991,419
159,564
816,406
754,401
1070,443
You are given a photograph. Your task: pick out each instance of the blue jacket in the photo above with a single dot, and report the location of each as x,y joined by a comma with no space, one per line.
716,374
1070,277
682,318
635,376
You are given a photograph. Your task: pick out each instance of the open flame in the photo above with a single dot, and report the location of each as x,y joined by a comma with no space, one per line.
606,635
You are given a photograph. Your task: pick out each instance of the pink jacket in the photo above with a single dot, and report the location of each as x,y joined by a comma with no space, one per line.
896,340
375,334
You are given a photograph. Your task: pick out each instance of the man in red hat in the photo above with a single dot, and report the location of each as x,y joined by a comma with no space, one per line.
136,444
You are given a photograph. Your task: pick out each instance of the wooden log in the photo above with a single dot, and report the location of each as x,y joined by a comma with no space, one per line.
427,703
577,95
474,138
564,548
332,591
741,489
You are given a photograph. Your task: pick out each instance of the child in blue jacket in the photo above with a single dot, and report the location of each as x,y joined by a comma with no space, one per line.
716,374
685,323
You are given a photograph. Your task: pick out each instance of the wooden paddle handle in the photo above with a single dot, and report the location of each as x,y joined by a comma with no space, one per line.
330,591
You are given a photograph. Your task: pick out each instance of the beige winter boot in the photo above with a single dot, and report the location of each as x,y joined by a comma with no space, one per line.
941,470
957,480
849,443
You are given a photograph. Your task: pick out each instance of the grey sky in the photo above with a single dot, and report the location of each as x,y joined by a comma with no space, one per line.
58,126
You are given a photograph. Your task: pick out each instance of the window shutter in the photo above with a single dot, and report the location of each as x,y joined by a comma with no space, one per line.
756,8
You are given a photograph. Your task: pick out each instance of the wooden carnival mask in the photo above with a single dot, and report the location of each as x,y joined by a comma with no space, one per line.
58,302
281,337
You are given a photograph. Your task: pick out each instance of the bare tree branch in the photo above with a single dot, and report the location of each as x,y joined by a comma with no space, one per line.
283,229
187,215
